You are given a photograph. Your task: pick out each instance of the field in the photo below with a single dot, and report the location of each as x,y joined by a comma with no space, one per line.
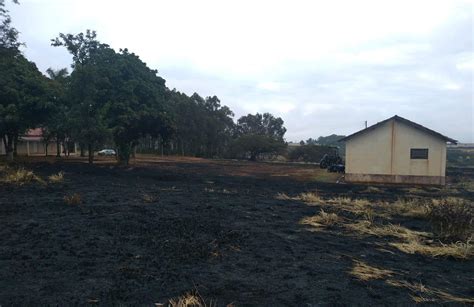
167,230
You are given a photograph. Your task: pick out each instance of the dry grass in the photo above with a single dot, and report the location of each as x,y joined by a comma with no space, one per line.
459,250
74,199
397,231
424,294
323,219
310,197
21,176
452,219
365,272
415,242
282,196
371,189
147,198
409,208
341,201
190,299
56,178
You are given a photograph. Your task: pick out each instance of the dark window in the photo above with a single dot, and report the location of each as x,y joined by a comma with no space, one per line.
419,153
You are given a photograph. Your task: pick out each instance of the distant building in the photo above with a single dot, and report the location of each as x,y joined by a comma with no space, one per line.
32,143
396,150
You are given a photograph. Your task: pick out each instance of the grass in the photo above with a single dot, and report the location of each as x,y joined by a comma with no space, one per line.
147,198
73,199
371,189
364,272
323,219
452,219
56,178
458,250
414,207
310,197
190,299
423,294
20,176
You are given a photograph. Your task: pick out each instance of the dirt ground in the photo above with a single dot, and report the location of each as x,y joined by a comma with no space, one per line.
233,231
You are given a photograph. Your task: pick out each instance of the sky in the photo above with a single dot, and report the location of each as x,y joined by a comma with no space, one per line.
323,66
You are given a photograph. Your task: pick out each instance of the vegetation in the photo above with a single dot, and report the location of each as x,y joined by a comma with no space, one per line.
309,153
73,199
114,98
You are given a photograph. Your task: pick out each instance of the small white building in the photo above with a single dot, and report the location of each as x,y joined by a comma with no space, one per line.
396,150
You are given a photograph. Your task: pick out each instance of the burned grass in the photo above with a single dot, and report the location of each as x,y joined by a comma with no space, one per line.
239,232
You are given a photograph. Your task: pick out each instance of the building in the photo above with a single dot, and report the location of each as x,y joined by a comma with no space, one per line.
396,150
32,143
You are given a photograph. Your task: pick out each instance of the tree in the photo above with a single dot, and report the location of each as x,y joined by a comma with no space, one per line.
58,124
23,89
259,134
86,92
113,93
135,102
261,124
23,97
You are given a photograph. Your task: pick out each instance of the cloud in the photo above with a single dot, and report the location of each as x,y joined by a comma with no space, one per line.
324,66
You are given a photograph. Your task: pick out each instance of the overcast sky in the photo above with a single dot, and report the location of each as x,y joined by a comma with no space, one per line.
323,66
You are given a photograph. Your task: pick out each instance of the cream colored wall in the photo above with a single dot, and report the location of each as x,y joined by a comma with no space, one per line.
386,151
369,153
407,137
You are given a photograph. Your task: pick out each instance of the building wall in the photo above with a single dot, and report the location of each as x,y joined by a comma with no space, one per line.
35,148
407,137
383,155
369,153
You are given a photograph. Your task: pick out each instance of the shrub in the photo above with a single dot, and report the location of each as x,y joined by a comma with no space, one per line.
74,199
451,219
309,153
21,176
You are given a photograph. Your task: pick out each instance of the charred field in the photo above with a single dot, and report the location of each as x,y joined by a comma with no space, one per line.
228,232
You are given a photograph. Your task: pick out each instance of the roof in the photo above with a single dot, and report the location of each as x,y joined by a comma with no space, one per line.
37,132
405,121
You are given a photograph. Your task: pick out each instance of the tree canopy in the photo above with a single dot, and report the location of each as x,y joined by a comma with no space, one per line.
112,97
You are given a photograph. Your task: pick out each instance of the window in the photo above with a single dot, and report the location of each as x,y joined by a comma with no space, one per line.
419,153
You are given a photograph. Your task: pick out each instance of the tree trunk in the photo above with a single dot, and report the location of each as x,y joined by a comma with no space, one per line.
15,145
83,154
91,153
58,148
46,149
9,147
4,143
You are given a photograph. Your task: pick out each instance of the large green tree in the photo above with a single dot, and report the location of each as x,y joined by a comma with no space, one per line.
87,88
135,104
113,93
58,125
23,89
258,135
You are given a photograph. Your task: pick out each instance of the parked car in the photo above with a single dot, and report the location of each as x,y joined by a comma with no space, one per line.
106,152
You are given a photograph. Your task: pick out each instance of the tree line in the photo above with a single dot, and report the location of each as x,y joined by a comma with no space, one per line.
113,97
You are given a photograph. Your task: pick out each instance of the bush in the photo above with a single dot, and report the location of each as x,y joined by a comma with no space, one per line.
451,219
309,153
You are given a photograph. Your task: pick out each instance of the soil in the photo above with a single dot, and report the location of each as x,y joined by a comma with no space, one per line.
159,228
